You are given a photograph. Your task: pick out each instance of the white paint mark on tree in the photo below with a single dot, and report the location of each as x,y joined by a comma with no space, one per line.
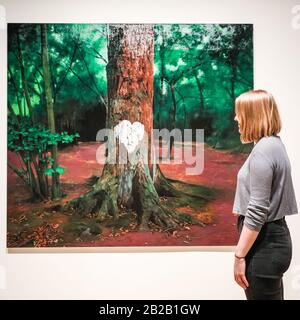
129,134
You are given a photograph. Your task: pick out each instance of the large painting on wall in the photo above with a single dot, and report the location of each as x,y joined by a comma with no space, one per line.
123,135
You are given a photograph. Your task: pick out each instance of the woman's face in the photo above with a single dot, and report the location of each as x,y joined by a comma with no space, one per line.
236,118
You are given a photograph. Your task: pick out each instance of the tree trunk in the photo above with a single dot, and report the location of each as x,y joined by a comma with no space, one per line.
173,123
200,88
233,60
16,92
24,81
162,74
55,187
232,87
130,97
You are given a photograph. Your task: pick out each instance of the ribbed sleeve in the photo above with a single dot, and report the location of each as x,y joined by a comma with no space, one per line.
261,177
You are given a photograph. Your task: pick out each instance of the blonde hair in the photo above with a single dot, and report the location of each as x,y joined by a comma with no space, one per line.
258,115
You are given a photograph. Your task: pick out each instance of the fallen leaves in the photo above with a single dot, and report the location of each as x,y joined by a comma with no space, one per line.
19,219
45,235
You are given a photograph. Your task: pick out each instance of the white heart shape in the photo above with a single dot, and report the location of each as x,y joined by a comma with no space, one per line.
129,134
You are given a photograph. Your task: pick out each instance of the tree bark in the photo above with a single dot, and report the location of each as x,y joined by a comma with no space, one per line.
24,81
232,82
16,92
201,96
162,73
173,122
55,187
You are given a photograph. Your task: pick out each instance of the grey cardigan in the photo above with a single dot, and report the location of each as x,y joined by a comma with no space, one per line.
265,189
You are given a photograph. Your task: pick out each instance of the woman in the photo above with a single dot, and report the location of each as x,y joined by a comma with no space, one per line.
264,196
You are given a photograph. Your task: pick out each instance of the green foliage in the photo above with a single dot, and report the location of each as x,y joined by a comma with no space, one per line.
77,58
50,171
208,65
37,139
59,170
33,144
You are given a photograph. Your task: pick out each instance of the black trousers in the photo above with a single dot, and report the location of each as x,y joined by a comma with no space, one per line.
267,260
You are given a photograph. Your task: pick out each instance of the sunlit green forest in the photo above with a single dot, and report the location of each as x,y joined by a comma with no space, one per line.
199,71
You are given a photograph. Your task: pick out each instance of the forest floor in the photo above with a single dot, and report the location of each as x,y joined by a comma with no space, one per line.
36,225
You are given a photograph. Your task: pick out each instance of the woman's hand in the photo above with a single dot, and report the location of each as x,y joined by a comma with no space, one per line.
247,238
239,273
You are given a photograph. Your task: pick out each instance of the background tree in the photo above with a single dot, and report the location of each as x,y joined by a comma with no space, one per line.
55,186
27,135
205,68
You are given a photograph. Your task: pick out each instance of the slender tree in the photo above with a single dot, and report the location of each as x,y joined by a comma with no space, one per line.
23,75
55,187
162,56
201,95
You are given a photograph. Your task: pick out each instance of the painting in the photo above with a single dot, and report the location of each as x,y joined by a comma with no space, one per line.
123,135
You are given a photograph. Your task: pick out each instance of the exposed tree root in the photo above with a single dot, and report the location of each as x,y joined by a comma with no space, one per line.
147,202
163,186
103,201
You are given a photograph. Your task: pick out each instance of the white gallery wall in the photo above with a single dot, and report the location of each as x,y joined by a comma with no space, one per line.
158,275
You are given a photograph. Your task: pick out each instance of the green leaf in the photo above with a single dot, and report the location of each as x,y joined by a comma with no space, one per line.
49,171
60,170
